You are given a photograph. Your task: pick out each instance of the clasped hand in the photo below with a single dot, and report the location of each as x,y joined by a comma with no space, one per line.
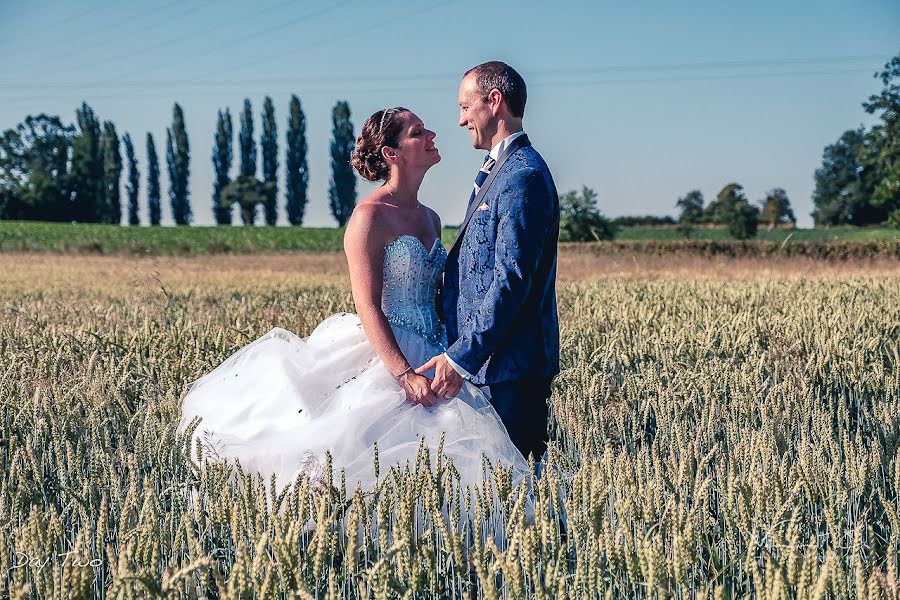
422,390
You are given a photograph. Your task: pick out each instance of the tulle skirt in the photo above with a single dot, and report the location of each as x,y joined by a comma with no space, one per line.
281,402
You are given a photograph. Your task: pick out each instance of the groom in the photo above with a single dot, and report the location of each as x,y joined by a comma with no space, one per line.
499,295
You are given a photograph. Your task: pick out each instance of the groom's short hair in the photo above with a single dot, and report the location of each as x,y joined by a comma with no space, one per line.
502,77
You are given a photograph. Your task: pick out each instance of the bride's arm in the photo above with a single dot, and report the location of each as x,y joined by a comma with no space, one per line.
364,243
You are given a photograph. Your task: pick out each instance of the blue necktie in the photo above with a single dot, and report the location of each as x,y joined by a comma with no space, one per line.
481,177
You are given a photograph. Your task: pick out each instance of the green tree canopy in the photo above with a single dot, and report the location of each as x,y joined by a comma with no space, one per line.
581,220
268,142
178,160
342,187
776,209
885,138
154,208
132,181
732,209
222,156
34,164
691,205
717,210
245,141
86,180
742,220
297,175
111,208
843,184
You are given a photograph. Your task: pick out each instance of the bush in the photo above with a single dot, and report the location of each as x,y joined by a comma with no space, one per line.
581,220
742,220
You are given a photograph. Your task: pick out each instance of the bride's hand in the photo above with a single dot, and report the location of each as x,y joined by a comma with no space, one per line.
417,388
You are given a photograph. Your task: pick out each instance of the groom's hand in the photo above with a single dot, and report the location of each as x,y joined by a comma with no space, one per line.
447,382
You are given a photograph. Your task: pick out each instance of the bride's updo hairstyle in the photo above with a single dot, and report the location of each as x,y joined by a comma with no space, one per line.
381,129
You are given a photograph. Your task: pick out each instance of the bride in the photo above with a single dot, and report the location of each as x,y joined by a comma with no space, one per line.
281,402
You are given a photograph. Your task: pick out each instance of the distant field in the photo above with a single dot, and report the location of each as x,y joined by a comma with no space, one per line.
833,234
17,236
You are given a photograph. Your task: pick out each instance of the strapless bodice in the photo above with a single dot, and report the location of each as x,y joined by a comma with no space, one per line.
412,275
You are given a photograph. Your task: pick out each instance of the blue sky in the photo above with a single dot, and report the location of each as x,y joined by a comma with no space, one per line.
640,101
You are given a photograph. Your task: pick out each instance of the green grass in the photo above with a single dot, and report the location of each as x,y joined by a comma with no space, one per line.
111,239
19,236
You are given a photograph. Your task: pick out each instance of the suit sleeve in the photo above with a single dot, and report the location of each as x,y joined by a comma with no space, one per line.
526,212
456,367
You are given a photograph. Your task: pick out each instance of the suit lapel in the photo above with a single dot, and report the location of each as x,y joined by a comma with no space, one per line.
518,143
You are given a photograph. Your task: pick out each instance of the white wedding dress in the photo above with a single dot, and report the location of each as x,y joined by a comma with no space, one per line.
279,403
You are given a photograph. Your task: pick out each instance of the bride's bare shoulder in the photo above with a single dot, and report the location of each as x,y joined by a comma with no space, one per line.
366,225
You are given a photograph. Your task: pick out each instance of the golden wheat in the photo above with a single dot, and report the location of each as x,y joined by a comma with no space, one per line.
712,437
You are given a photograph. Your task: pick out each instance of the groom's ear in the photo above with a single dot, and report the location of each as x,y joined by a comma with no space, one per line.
495,101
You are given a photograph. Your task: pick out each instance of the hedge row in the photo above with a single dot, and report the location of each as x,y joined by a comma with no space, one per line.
744,249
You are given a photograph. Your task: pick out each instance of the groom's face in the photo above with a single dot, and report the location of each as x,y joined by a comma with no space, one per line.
475,114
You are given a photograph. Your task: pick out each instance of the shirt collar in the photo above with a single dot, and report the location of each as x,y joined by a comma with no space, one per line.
502,144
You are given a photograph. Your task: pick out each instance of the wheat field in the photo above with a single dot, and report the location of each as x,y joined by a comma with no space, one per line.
720,429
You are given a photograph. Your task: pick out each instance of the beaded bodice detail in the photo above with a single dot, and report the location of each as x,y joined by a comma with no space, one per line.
412,275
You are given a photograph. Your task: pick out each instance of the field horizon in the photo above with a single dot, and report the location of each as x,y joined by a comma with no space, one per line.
82,238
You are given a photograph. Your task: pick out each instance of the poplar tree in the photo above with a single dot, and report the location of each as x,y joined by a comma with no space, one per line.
112,174
86,179
153,206
222,157
132,181
245,139
268,142
297,176
342,187
178,161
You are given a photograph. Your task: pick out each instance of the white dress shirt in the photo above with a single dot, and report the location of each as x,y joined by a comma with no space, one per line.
495,154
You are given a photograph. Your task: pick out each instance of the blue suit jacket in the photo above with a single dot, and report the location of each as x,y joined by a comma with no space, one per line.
499,294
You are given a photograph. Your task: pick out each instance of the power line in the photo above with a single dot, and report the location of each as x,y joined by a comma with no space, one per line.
303,48
119,33
64,21
357,89
353,79
737,63
373,27
390,21
230,43
192,35
700,77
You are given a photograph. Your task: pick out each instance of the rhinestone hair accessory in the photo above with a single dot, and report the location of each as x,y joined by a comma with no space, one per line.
384,116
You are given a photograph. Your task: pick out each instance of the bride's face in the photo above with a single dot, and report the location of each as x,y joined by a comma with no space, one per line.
416,147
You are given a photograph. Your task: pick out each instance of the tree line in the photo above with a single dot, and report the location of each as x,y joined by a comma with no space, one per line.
54,171
732,209
60,172
582,220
